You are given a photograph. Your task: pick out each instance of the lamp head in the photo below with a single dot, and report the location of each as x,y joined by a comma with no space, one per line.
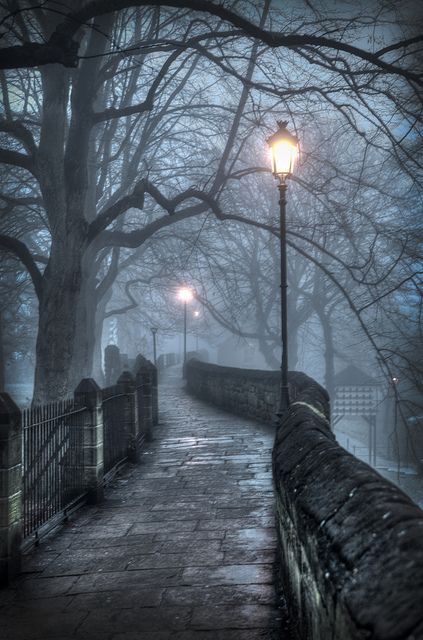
185,294
284,151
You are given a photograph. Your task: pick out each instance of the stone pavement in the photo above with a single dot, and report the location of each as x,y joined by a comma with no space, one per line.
182,547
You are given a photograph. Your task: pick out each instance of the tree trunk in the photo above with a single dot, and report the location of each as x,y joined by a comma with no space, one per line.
57,323
267,350
66,325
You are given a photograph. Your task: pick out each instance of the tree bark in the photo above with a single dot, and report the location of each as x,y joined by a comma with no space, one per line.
57,323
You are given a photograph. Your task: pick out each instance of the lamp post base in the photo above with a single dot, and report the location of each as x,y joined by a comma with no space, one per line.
284,402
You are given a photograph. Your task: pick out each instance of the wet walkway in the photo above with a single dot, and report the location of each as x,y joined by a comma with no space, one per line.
182,547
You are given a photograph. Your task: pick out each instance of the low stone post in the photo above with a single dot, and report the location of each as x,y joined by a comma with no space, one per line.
144,397
126,386
88,394
10,488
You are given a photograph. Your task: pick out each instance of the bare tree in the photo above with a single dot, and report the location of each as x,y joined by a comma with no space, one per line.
129,136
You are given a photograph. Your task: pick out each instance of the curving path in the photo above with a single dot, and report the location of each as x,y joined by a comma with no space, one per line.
182,547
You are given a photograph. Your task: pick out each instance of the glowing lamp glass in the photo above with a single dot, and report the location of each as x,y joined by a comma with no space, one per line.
185,294
284,151
284,155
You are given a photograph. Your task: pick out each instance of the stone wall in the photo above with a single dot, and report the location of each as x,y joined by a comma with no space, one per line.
350,542
242,391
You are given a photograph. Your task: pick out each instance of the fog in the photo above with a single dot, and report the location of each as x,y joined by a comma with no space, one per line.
145,168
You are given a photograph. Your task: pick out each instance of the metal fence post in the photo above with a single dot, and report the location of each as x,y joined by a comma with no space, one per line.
88,394
126,386
10,488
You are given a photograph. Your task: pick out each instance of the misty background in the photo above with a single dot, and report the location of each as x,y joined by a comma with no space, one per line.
146,169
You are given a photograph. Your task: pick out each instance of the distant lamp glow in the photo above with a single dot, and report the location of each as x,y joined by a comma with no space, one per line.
284,151
196,314
185,294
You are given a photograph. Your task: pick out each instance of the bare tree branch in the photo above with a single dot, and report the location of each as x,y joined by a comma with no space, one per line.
21,251
63,49
18,160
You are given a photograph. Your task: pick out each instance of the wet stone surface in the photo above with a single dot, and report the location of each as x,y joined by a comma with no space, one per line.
182,548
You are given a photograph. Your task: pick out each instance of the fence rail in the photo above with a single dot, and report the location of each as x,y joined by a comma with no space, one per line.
53,461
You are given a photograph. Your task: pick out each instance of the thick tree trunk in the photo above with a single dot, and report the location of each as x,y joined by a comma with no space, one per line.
85,338
57,324
67,328
66,324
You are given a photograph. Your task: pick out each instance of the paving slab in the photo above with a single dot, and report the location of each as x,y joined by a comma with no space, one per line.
182,548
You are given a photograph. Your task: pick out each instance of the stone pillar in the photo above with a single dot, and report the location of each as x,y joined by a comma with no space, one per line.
144,398
10,488
88,394
126,386
112,364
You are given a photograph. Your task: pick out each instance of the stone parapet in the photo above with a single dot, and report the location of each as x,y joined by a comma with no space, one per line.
242,391
249,392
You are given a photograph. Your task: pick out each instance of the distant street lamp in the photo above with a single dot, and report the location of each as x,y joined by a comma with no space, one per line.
185,295
284,152
196,315
154,332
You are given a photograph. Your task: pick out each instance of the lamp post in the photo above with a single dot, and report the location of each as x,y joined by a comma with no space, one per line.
185,295
284,151
154,332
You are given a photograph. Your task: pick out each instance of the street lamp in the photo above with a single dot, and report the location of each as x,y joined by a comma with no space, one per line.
154,332
185,295
196,315
284,153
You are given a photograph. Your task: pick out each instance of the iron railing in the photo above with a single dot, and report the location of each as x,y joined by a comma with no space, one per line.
115,436
55,481
53,462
